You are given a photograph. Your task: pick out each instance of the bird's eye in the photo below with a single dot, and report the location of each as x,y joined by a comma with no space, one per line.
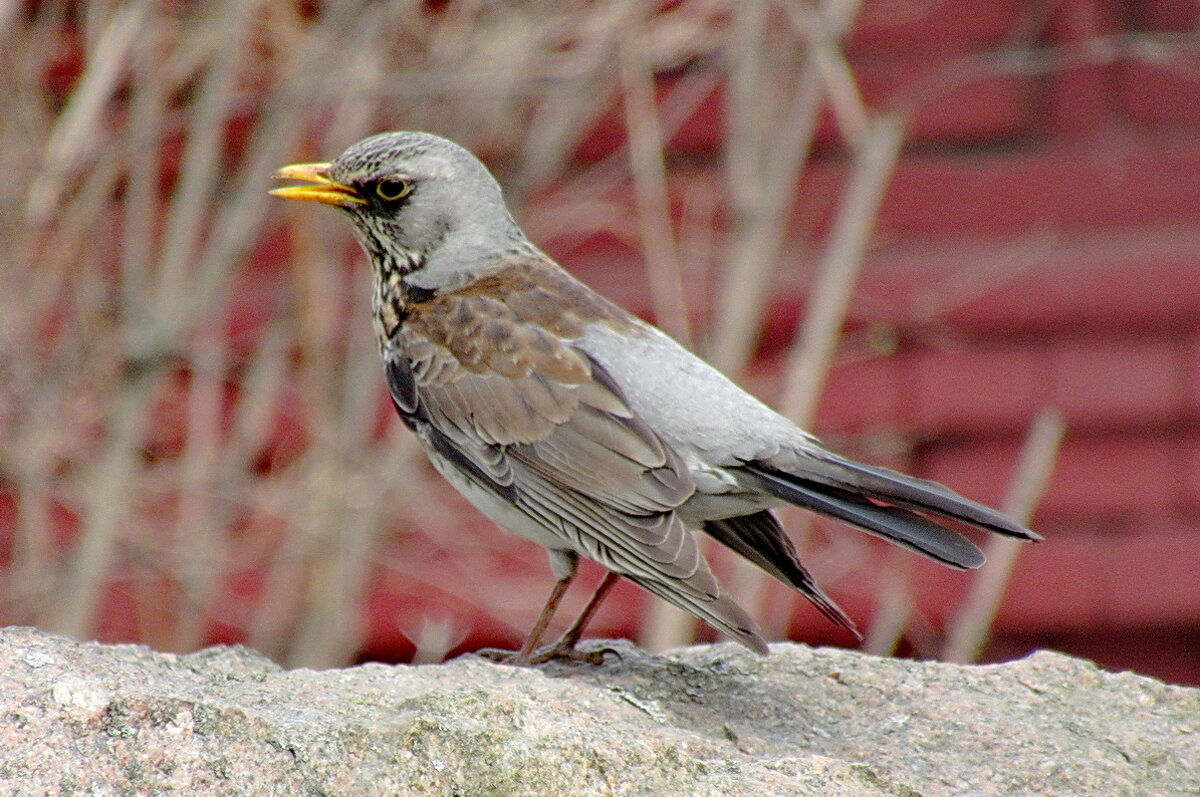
392,189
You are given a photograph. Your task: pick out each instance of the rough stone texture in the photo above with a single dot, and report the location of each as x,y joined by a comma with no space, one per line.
83,718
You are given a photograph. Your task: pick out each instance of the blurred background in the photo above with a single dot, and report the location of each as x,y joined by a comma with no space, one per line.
960,239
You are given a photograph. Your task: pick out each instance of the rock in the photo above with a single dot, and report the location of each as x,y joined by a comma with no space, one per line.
85,718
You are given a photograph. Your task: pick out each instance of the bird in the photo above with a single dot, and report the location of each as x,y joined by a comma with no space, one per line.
575,424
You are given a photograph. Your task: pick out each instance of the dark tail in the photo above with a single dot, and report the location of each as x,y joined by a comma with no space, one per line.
760,538
903,509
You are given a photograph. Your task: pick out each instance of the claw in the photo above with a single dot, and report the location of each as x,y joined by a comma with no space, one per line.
498,656
557,652
571,653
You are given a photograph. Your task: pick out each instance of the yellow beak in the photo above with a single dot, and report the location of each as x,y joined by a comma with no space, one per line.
323,190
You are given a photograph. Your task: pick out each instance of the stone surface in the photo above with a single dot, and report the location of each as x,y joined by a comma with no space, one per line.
83,718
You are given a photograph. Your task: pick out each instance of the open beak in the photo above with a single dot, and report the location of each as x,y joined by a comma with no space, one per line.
323,189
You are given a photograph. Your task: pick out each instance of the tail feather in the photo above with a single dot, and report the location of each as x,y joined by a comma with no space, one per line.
720,611
905,510
889,504
921,495
761,539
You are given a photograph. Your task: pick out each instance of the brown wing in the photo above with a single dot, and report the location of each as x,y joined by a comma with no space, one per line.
488,381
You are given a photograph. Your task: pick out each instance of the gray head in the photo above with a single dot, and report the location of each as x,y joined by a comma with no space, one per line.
419,204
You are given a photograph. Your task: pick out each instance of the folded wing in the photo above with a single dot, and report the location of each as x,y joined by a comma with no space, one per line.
539,424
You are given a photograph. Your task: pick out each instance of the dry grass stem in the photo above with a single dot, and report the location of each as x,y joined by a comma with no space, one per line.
767,144
893,605
828,299
838,268
972,623
650,187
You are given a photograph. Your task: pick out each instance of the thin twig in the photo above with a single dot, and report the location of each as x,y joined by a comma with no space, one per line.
73,137
825,310
109,491
971,625
763,161
650,187
764,158
199,173
894,605
837,272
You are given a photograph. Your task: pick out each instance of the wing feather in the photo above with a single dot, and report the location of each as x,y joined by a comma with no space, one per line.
542,425
489,379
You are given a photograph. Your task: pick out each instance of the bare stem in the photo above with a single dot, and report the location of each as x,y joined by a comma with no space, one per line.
650,187
971,625
825,310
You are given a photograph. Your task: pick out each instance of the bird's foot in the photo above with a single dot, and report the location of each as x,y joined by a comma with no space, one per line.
568,652
497,655
560,651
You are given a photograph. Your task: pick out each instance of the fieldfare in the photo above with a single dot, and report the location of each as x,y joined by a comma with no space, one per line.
573,423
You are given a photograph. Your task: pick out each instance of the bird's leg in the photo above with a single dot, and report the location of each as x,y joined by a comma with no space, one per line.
565,566
564,648
539,628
